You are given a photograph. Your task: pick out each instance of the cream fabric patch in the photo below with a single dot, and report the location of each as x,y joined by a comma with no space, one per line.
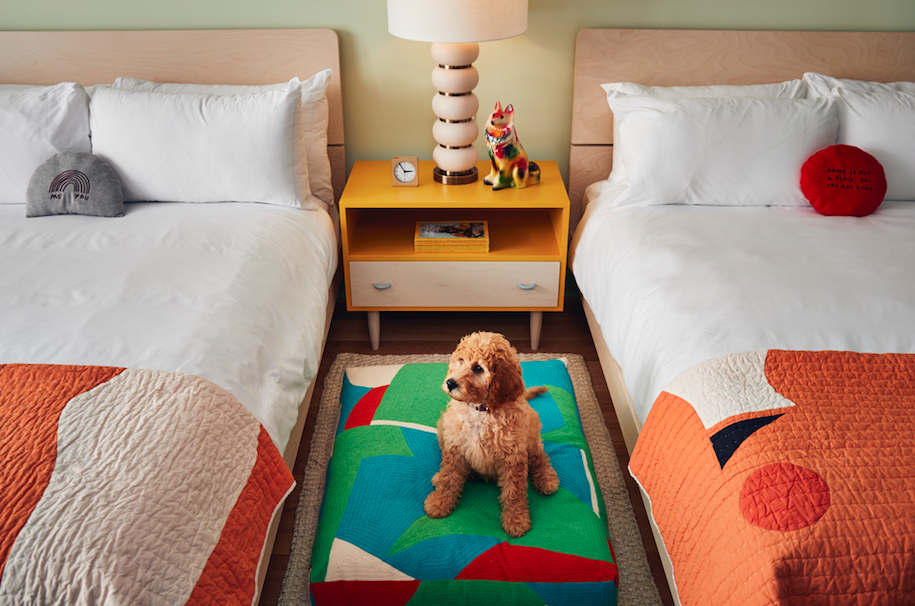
728,386
372,376
350,563
145,478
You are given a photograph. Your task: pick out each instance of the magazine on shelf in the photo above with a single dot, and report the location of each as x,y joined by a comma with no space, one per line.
451,236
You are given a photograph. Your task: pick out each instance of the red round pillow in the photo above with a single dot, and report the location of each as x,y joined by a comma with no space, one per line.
843,180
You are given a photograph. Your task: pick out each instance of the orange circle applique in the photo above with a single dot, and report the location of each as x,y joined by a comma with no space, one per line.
784,496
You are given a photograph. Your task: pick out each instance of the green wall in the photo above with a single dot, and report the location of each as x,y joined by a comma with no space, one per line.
386,86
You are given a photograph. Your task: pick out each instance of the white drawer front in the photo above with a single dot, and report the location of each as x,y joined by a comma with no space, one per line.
454,284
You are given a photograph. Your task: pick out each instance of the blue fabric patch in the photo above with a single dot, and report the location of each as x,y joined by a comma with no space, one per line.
550,415
728,440
566,460
575,594
349,396
548,372
424,560
368,521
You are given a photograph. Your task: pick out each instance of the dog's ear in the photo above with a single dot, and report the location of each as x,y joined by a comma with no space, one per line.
507,384
498,107
510,110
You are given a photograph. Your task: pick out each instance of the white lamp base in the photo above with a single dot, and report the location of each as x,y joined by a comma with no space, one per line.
455,105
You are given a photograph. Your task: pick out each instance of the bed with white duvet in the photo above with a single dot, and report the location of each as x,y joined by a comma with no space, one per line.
168,262
748,270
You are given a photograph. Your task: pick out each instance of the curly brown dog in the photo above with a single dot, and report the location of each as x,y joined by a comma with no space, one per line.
490,428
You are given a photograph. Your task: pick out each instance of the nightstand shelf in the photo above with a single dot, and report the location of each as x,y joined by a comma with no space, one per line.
524,269
516,234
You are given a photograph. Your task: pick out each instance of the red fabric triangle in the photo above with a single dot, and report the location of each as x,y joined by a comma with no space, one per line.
351,593
519,564
364,410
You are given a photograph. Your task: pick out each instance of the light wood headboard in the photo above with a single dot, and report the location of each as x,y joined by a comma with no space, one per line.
694,57
187,56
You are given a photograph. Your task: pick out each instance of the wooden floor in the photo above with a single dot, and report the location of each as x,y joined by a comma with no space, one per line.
439,332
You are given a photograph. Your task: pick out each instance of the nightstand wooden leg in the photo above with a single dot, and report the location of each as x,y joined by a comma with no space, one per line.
536,323
374,318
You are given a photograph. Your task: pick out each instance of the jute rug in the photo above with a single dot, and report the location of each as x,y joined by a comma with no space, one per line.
636,584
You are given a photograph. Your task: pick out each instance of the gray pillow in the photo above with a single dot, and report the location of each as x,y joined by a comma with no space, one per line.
74,183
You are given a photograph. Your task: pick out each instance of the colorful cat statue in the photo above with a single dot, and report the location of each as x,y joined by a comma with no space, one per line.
510,167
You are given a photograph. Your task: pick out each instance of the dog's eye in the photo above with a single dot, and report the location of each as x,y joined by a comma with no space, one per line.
477,368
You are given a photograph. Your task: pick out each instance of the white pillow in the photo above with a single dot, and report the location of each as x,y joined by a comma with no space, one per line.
731,151
37,122
792,89
819,85
315,116
187,147
883,125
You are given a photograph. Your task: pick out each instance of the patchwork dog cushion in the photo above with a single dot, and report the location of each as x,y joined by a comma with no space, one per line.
74,183
375,545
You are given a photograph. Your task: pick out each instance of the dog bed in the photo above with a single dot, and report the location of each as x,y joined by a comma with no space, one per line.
375,545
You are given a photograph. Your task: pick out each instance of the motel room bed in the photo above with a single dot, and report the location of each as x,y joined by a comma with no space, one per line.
759,349
158,355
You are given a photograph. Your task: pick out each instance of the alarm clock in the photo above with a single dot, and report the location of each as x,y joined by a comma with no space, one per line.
404,171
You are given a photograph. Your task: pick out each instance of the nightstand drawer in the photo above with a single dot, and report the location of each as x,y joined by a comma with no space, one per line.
454,283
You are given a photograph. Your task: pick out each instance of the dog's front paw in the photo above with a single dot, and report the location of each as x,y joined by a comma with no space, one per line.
545,481
437,505
516,527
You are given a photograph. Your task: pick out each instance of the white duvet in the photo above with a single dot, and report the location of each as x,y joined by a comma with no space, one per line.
673,286
234,293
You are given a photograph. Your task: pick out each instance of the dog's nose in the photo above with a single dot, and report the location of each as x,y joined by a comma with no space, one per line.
451,384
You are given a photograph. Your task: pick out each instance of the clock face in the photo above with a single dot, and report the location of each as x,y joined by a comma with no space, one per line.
404,172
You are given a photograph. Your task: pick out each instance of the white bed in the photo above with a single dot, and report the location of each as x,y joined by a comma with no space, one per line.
229,301
702,268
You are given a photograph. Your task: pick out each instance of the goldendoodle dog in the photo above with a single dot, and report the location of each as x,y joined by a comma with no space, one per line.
490,428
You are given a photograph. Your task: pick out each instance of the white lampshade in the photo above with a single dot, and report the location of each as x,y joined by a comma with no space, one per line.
457,20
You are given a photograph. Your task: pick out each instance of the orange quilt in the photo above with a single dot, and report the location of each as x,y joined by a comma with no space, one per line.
131,486
786,477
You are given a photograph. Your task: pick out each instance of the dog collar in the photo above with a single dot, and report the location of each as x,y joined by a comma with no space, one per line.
482,407
500,135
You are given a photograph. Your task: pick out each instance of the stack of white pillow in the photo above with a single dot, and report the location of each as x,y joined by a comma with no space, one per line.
745,145
177,142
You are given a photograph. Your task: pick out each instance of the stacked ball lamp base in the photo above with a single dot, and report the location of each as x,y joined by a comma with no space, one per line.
455,105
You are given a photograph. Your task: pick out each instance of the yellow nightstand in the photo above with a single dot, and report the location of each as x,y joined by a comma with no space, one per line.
524,269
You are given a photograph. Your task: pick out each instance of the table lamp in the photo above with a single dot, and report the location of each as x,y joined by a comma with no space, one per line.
454,27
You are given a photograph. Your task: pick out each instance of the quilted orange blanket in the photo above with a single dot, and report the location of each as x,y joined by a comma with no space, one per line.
130,486
786,477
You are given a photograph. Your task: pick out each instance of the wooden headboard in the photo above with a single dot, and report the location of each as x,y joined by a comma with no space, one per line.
203,57
693,58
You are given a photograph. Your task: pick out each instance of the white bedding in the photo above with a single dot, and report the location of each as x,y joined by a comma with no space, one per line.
673,286
235,293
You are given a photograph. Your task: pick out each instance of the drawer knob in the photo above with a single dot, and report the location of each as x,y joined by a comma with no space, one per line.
527,287
381,286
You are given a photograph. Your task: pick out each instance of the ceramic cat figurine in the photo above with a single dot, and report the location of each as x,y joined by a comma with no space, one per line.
510,167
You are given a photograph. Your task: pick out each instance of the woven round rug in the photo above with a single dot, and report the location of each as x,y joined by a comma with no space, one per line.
636,583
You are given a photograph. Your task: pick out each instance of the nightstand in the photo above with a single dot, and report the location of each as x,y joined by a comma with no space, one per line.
524,269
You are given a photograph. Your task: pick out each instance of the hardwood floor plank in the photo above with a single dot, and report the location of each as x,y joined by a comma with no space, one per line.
439,332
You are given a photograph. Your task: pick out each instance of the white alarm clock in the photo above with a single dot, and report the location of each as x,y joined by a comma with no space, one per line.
404,171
